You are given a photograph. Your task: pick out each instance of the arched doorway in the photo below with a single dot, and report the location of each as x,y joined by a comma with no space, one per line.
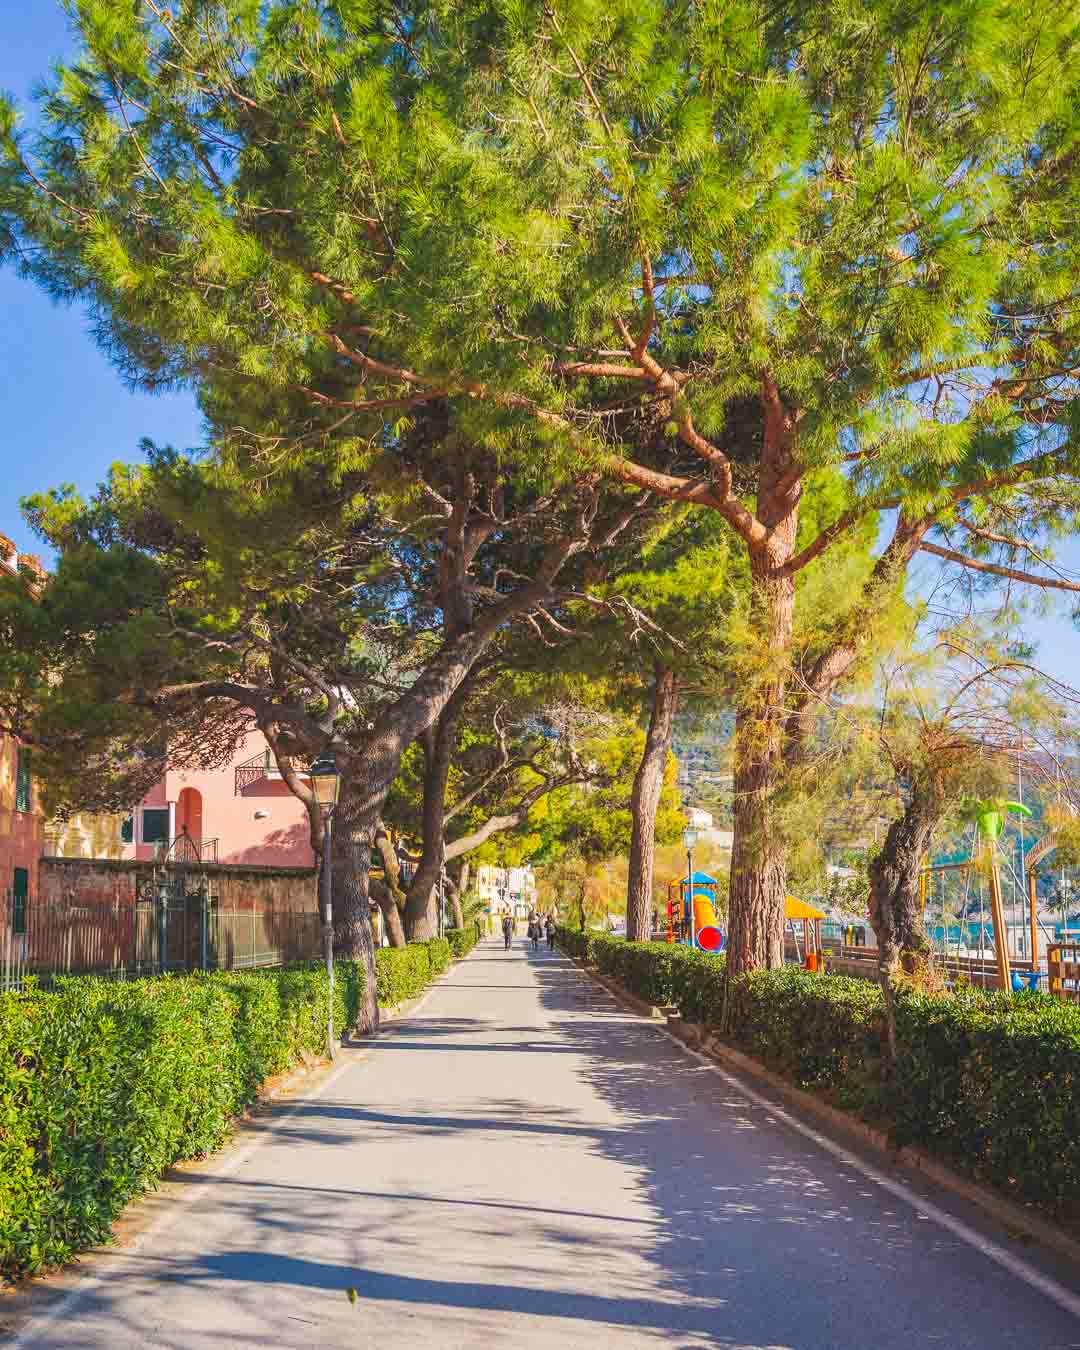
189,819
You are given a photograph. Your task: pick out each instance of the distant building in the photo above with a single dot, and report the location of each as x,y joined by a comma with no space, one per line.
506,890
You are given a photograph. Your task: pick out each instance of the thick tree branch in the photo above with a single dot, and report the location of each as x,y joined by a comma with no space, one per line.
994,569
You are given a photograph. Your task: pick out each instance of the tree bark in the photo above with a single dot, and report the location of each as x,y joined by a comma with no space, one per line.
896,911
350,870
457,915
421,920
644,800
390,897
758,873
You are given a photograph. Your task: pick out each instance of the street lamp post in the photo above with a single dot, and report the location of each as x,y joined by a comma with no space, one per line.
689,840
326,782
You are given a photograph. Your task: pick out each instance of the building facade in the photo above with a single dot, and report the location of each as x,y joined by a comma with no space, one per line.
506,890
243,813
22,823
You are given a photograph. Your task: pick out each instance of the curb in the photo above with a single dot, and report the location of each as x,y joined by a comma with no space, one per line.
1018,1219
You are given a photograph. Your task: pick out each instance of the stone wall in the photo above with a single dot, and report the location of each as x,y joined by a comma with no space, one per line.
236,887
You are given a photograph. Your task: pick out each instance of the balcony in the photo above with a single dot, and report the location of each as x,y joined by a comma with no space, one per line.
185,849
253,771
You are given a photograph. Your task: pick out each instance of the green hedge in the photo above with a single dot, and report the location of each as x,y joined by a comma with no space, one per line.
462,940
576,942
403,972
104,1085
990,1082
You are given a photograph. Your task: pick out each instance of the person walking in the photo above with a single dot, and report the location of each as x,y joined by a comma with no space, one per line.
550,925
508,931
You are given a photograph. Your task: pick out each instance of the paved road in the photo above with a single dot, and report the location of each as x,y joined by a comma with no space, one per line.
522,1165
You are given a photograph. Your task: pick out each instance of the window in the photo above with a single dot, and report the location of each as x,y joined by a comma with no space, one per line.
23,786
155,825
127,830
21,895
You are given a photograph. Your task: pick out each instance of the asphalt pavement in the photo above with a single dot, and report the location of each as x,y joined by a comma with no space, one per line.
521,1164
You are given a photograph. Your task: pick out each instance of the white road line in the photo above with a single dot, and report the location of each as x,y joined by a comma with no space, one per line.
40,1323
1015,1265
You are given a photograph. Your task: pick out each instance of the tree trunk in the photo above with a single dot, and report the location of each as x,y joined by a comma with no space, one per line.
644,800
457,916
421,921
758,873
896,911
381,894
390,897
437,742
353,938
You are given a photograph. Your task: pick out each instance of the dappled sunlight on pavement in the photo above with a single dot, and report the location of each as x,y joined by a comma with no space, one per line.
521,1164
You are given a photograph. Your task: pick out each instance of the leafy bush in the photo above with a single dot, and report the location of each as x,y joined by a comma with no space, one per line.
989,1081
104,1085
439,956
577,942
403,972
462,940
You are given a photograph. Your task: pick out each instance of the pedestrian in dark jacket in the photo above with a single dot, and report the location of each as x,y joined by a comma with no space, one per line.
551,932
508,931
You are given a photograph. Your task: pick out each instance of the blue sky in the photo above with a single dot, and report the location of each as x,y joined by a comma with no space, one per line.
68,415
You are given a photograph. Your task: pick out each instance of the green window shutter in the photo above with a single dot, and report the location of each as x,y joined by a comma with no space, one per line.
21,897
127,830
23,786
155,825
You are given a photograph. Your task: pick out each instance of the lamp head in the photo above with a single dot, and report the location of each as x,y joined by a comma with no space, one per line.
326,782
689,837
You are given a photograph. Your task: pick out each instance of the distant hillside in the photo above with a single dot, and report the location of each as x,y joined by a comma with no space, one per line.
702,745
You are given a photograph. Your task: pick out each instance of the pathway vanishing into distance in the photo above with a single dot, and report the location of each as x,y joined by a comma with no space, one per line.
521,1164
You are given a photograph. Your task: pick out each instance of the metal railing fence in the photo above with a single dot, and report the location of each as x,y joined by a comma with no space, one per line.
167,927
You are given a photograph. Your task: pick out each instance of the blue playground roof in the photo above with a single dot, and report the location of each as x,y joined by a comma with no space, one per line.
701,879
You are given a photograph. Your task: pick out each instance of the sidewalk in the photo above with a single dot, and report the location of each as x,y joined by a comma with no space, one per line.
520,1164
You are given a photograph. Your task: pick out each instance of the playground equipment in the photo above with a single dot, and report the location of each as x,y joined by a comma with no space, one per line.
692,916
989,816
796,911
987,821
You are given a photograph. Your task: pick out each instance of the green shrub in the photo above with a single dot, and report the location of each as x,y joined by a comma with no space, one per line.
462,940
989,1081
403,972
104,1085
439,956
576,942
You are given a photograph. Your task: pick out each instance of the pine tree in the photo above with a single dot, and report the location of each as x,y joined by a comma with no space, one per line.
707,251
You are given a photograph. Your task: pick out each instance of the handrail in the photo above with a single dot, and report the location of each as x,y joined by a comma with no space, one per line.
251,771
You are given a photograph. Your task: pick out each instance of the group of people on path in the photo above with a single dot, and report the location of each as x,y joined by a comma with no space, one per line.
539,926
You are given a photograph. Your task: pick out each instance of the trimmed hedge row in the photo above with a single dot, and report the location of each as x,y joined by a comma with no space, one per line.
990,1082
403,972
462,940
104,1085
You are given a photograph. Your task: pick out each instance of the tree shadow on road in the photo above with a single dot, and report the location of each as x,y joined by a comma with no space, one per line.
786,1244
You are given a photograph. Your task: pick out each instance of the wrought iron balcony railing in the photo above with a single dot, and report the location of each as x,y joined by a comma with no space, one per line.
252,770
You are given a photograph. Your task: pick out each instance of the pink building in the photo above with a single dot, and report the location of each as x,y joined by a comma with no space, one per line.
22,823
245,807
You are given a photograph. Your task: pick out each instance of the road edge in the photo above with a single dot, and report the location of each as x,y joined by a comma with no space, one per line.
698,1039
